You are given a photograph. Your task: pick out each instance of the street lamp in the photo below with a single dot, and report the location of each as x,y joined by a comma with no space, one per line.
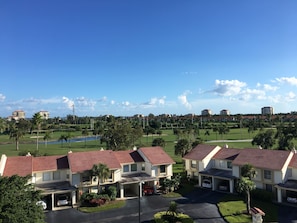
139,191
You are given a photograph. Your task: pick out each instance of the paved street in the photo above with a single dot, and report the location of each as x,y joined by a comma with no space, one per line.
200,205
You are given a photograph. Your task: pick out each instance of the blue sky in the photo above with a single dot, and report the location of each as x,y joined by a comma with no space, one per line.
125,57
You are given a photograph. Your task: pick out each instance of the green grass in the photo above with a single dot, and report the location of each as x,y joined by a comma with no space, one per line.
233,209
108,206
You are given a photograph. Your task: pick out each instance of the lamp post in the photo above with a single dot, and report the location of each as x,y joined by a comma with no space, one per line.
139,193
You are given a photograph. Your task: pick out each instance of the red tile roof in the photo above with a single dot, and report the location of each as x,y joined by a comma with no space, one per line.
262,158
128,156
199,152
43,163
18,165
227,154
293,162
82,161
156,155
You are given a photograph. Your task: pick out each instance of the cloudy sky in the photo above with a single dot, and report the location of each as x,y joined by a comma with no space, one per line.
126,57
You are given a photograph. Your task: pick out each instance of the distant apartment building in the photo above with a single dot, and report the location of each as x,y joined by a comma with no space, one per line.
224,112
16,115
44,114
267,110
206,112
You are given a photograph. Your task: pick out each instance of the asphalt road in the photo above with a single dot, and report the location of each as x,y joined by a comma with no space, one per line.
200,205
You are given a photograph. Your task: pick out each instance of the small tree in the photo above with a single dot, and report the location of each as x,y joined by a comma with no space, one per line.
245,185
101,171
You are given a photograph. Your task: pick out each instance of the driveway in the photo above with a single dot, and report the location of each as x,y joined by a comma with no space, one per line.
200,205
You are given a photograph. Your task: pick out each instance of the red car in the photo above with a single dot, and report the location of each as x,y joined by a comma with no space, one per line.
147,190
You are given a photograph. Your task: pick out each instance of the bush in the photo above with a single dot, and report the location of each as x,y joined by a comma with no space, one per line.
112,192
162,217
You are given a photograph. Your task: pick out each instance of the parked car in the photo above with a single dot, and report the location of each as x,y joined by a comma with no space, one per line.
147,190
223,186
62,200
292,200
42,204
206,183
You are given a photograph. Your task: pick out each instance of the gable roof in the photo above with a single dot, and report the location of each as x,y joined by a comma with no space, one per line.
293,162
18,165
82,161
262,158
47,163
199,152
128,156
156,155
227,154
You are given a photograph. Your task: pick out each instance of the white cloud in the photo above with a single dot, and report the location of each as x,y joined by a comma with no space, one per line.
228,87
184,101
291,96
126,103
287,80
68,102
2,97
268,87
155,101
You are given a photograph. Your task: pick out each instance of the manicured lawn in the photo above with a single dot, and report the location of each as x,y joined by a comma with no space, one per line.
233,209
108,206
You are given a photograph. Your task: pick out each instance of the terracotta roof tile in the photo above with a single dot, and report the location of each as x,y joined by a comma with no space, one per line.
82,161
128,156
293,162
227,154
156,155
199,152
18,165
262,158
50,163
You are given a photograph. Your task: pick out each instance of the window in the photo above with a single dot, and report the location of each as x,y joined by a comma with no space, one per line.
229,164
133,167
193,163
126,168
56,175
162,169
46,176
143,167
267,174
86,177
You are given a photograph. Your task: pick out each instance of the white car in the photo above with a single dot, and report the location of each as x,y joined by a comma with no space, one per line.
42,204
62,200
206,183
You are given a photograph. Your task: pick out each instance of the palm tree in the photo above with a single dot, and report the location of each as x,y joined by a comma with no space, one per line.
46,137
101,172
247,170
37,119
16,133
245,185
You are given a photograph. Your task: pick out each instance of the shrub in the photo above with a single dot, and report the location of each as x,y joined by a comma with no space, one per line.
162,217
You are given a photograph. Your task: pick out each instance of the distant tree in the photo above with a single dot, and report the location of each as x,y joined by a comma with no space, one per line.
223,129
18,201
102,172
36,121
16,133
158,142
46,137
85,133
120,135
182,147
264,139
